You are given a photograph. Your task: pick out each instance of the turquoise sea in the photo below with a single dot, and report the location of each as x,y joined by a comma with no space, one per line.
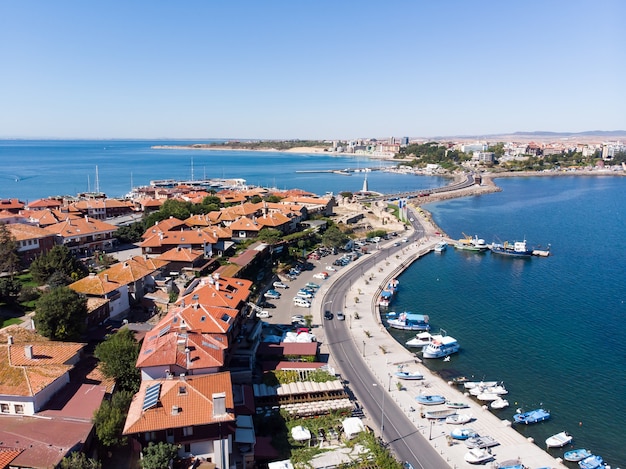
552,329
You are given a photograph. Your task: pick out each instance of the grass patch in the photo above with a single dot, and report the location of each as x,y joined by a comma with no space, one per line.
26,280
7,322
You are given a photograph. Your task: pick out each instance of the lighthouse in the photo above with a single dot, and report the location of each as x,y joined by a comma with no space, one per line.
365,188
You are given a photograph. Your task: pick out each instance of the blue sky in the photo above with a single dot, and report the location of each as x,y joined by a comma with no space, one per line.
309,70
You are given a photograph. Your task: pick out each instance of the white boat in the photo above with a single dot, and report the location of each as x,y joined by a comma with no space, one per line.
441,246
478,456
440,346
420,340
408,375
559,440
499,389
459,419
440,414
488,396
463,433
484,384
499,403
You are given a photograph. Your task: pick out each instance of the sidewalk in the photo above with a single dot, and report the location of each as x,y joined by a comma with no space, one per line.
383,355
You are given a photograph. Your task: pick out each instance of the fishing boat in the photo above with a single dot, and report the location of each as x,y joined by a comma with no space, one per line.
408,321
459,419
440,346
499,403
419,341
430,399
591,462
408,375
385,299
456,405
440,414
441,246
463,433
559,440
478,456
576,455
532,416
516,249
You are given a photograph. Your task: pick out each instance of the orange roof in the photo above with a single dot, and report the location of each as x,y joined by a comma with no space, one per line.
245,224
23,376
170,349
71,228
168,224
177,238
95,285
273,220
11,204
7,455
191,398
45,203
199,220
219,232
222,292
181,255
22,232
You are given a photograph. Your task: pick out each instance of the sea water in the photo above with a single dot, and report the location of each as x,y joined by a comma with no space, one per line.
33,169
552,329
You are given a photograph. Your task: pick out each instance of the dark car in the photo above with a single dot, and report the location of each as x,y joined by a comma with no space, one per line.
328,315
267,305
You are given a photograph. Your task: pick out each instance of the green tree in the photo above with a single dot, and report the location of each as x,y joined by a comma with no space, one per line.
334,238
132,233
10,288
118,354
158,456
272,198
58,259
61,314
9,259
109,419
78,460
269,235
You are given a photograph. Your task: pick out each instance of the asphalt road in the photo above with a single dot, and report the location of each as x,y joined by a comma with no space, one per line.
407,443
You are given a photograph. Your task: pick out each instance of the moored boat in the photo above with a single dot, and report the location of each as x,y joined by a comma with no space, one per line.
441,246
591,462
499,403
408,375
510,464
440,414
485,384
430,399
532,416
576,455
559,440
481,442
420,340
408,321
440,346
516,249
456,405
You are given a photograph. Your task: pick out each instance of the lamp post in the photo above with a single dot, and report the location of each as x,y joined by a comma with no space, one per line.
363,348
382,410
389,385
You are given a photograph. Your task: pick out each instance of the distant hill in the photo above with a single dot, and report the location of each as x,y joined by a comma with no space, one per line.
540,135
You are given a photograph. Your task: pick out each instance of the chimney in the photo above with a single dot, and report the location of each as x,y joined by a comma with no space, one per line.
28,352
219,404
188,357
10,340
125,264
174,410
106,277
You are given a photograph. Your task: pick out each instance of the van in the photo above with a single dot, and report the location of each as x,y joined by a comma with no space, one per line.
301,302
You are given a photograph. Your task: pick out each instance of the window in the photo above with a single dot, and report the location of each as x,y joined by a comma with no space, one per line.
187,431
187,448
4,408
19,409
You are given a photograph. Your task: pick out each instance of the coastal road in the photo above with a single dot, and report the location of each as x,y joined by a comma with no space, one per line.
404,438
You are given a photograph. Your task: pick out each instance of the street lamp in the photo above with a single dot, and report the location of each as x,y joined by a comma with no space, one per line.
363,348
382,410
389,385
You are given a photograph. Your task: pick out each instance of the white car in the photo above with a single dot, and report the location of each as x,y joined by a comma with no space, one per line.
321,275
304,294
263,314
297,317
331,268
301,302
280,285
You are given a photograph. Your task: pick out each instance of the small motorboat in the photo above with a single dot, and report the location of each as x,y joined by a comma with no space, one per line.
440,414
591,462
488,396
456,405
481,442
463,433
559,440
499,404
532,416
483,384
478,456
419,341
459,419
576,455
499,389
408,375
510,464
430,399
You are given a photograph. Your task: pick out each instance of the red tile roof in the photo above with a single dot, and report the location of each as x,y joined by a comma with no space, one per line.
192,399
81,227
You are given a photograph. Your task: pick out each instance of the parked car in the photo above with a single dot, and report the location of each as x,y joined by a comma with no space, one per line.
263,314
341,316
301,302
304,294
328,315
315,286
321,275
331,268
297,317
280,285
266,305
272,294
